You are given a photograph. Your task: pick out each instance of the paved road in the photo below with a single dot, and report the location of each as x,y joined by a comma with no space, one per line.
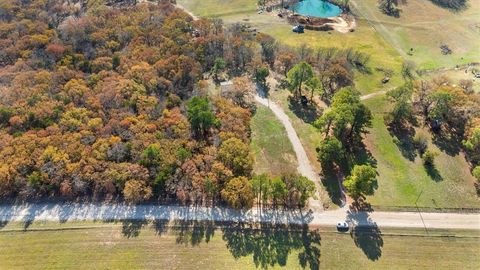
111,212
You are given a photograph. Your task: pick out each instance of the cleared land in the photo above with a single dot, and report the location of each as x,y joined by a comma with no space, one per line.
423,27
273,151
219,8
456,76
128,245
401,180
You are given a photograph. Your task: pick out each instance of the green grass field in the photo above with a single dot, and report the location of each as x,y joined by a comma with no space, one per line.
306,132
401,180
364,39
130,245
219,8
423,27
273,151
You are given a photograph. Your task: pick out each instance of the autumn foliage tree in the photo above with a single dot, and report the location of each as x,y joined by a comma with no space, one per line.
101,101
238,193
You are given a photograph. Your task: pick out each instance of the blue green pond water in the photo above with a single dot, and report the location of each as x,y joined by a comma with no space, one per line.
316,8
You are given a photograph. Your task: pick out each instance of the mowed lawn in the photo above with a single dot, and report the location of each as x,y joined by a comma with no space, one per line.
272,149
139,246
218,8
423,27
402,181
308,134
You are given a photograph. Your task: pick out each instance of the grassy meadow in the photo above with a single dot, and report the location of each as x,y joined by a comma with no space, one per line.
272,149
423,27
219,8
402,177
128,245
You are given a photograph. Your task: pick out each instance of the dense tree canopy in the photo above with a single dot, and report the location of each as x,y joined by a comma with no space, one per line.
105,101
298,76
289,189
238,193
347,118
362,181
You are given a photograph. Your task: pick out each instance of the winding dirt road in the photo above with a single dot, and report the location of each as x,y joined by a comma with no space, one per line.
305,168
364,97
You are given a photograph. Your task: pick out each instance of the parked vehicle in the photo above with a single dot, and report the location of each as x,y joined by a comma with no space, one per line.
298,29
342,226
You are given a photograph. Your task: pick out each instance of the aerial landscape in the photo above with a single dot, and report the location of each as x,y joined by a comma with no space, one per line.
239,134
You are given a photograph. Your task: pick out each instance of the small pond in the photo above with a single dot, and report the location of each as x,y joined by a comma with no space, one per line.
316,8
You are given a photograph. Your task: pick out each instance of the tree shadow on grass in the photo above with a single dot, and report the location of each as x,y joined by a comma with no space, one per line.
160,226
333,175
193,232
456,6
477,188
270,244
448,141
369,239
433,172
404,140
360,155
331,183
131,227
366,234
3,223
308,112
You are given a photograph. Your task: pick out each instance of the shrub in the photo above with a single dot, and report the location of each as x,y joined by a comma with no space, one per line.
429,158
476,173
420,141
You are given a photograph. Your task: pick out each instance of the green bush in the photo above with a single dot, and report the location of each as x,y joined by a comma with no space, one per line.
429,158
420,141
476,173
